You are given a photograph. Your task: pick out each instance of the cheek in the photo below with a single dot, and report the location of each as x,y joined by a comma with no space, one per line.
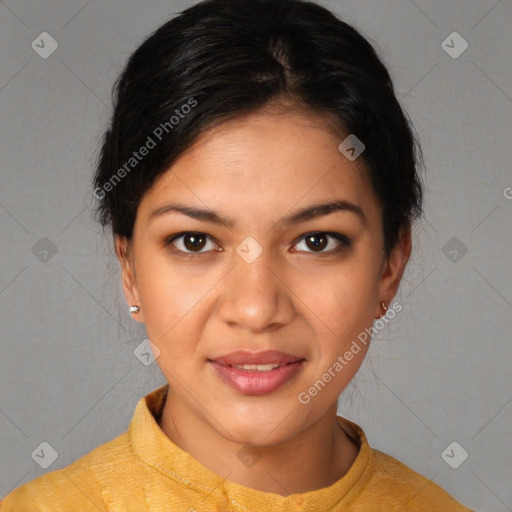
168,294
340,313
342,316
172,324
174,315
342,299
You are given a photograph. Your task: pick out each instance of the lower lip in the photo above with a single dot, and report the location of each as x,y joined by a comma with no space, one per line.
253,382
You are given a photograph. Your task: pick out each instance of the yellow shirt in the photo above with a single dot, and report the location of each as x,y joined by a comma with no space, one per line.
143,470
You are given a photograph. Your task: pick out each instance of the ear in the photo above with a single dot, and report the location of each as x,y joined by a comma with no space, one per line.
124,252
393,269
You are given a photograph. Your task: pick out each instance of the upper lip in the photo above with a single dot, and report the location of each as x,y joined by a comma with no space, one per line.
241,357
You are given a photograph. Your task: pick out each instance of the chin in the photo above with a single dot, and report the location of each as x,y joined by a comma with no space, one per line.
259,431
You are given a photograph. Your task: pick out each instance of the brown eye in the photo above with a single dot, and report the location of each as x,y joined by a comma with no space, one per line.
190,242
194,241
318,241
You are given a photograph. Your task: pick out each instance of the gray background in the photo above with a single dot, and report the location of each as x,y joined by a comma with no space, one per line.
438,373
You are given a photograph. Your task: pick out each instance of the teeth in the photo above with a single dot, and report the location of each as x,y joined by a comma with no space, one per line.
258,367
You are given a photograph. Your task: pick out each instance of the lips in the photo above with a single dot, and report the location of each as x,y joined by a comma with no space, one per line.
257,373
242,357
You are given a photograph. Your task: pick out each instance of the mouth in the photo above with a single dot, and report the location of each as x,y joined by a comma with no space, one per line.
255,374
257,367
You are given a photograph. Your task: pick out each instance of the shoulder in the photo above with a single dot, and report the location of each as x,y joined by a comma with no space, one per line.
399,483
386,484
80,483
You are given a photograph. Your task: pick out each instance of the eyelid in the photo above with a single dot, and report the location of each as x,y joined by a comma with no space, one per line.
170,241
344,242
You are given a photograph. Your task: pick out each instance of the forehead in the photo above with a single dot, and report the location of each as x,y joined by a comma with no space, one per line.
264,160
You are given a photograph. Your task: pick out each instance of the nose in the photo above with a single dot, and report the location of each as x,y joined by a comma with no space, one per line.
255,296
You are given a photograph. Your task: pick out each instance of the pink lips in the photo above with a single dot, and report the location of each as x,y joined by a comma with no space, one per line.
255,382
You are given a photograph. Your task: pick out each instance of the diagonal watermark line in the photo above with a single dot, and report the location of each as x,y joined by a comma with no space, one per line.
196,400
419,81
75,15
212,490
492,81
13,13
497,206
84,84
14,424
282,486
485,15
96,403
13,279
419,490
13,487
431,225
496,414
13,77
304,195
14,218
474,268
73,220
484,484
422,281
301,300
94,298
407,406
192,192
76,485
280,423
424,13
192,307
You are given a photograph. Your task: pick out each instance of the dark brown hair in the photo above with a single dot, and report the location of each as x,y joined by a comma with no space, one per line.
220,59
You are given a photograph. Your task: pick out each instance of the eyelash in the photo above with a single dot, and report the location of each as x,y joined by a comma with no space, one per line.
344,241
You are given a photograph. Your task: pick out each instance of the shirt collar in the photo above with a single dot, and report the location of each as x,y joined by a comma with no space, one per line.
153,447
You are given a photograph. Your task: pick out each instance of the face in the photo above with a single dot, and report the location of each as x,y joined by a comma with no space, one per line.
251,273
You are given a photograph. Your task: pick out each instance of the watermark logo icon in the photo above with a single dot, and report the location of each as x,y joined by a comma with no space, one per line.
454,45
249,455
454,249
44,45
249,250
44,250
454,455
352,147
45,455
146,352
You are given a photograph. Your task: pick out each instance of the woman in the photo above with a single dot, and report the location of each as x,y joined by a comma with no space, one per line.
260,180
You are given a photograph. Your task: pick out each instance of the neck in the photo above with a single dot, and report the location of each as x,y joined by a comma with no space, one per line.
316,457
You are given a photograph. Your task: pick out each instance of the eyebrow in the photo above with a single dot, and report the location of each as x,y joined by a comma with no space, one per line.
295,217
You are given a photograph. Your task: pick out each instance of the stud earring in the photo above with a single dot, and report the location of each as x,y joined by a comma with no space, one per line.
384,308
135,309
